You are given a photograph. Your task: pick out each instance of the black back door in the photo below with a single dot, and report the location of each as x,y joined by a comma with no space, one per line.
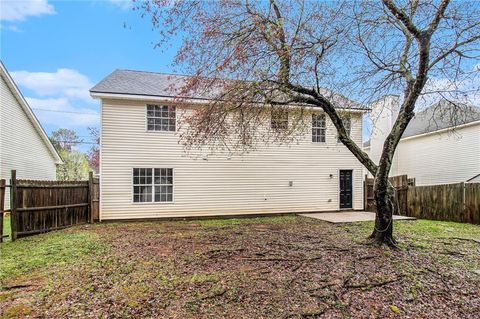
345,189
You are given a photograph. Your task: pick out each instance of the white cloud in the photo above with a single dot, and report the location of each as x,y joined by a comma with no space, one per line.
59,98
64,82
18,10
10,27
61,113
123,4
463,90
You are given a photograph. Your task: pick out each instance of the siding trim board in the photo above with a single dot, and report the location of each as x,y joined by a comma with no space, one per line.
196,101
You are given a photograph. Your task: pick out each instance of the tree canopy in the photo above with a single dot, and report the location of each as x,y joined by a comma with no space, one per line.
319,55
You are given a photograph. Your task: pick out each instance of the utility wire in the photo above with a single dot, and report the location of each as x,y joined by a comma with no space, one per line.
75,142
57,111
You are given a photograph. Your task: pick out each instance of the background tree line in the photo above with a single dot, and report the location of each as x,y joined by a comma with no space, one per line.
76,163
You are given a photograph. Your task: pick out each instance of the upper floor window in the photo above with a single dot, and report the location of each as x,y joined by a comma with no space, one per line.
161,118
347,123
318,128
279,119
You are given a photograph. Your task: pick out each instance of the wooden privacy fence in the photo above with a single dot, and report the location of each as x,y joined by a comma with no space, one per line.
400,182
450,202
458,202
38,206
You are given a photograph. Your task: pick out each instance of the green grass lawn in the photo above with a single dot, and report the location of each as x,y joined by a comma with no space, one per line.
271,267
52,249
6,227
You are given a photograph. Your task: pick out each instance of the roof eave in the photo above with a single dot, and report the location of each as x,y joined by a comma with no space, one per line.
441,130
187,100
23,103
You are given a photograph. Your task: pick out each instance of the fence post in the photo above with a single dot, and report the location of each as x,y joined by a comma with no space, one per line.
2,204
365,192
90,197
13,204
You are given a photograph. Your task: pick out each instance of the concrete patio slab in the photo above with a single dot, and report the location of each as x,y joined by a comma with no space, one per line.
350,217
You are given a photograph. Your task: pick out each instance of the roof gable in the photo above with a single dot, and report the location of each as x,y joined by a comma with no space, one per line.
441,115
28,111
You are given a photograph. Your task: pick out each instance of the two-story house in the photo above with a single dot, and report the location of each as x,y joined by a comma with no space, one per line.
145,172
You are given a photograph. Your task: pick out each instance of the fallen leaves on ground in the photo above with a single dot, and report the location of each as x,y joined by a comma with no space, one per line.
284,267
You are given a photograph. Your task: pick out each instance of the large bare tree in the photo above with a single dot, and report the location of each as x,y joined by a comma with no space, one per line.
316,54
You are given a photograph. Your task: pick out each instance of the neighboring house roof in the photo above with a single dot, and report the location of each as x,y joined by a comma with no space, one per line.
28,111
441,115
141,83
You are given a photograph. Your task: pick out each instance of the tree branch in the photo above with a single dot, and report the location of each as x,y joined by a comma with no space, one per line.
453,49
284,52
438,16
316,99
402,17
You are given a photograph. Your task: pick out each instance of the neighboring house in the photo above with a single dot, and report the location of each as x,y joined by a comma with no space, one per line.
24,145
145,172
441,144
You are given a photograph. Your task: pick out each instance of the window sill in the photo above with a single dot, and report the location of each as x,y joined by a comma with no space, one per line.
152,203
161,132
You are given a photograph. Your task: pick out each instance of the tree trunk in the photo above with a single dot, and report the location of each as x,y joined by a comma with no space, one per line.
384,194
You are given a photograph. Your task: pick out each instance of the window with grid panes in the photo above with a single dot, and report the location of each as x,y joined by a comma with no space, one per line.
318,128
152,185
161,118
279,119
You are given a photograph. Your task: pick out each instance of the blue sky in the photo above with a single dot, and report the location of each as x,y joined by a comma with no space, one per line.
57,50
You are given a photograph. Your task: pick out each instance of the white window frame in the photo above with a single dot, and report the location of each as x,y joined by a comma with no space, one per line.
153,185
348,127
147,117
276,120
324,129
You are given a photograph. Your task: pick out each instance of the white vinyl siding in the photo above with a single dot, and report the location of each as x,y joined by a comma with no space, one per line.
255,183
451,156
21,146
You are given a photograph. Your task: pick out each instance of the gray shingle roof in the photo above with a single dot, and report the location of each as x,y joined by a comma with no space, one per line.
144,83
170,85
443,114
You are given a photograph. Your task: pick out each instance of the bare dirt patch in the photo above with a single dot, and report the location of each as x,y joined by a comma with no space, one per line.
286,267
